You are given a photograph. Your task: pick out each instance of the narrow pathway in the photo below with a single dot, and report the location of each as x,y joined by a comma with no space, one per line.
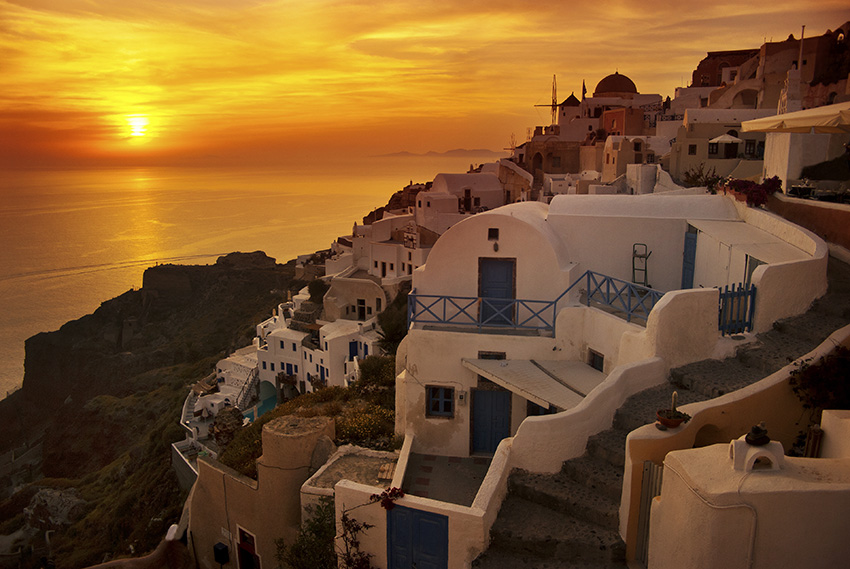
570,519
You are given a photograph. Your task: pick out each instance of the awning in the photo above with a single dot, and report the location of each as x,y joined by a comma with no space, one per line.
560,383
726,139
826,119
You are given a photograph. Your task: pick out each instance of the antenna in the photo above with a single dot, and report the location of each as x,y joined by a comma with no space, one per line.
554,104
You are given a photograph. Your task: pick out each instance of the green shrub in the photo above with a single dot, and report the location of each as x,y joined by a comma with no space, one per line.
377,381
373,422
317,289
314,546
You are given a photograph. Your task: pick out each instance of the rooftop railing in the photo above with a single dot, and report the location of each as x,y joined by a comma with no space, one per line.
623,298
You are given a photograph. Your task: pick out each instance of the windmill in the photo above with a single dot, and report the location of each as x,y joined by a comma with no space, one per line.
554,104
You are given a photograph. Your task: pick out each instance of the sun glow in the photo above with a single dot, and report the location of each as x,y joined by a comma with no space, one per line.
138,125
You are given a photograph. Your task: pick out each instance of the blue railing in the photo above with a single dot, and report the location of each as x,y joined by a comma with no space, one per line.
630,300
736,310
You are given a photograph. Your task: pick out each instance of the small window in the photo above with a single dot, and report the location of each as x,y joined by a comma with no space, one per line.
392,266
281,344
264,365
637,145
712,148
272,365
556,162
441,401
295,367
409,256
650,158
595,360
282,366
492,355
311,358
493,234
294,348
376,264
368,310
326,346
749,147
428,204
692,150
419,204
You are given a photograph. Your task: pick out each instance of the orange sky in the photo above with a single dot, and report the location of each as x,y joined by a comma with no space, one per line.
228,82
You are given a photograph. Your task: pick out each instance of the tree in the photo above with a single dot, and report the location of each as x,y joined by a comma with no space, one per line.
393,323
317,289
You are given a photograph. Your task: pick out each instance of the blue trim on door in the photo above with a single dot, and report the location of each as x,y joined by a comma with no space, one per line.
491,419
496,289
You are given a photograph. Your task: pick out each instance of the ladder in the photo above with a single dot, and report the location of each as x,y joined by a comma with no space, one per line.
640,256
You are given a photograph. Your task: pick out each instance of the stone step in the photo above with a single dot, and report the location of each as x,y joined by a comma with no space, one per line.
532,530
815,325
609,446
773,350
561,493
713,378
596,474
498,558
640,408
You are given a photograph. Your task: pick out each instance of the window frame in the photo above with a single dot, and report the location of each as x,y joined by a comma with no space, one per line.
444,397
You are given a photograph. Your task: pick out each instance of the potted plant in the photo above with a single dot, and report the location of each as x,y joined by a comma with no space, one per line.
672,417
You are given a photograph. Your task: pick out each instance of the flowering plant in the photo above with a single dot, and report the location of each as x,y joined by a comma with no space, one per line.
756,194
387,497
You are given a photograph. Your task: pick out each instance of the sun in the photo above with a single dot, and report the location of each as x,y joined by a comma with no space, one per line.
138,125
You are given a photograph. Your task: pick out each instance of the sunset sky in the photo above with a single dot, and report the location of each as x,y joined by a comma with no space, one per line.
229,82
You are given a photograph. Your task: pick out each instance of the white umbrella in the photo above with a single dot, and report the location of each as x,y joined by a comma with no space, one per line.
726,139
827,119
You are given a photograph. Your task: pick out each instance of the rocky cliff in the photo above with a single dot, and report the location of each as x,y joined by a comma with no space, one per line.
102,394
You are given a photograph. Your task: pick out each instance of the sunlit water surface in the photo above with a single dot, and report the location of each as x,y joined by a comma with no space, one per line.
71,239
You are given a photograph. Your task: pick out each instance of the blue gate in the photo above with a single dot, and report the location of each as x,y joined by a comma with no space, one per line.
491,419
417,539
737,307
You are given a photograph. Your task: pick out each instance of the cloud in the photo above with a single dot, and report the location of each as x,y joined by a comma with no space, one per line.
213,73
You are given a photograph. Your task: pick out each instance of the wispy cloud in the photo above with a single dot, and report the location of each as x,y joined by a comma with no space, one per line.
221,76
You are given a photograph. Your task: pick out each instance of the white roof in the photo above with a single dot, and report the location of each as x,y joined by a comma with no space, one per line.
751,240
563,384
648,206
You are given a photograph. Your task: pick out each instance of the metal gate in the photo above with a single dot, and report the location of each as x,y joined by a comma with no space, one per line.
737,307
650,488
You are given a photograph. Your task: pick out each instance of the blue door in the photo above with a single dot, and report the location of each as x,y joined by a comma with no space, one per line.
496,289
417,539
689,258
352,349
491,419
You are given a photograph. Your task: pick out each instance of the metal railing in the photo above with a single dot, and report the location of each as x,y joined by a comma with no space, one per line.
629,300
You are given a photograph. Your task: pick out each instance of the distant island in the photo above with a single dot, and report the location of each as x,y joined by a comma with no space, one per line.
456,153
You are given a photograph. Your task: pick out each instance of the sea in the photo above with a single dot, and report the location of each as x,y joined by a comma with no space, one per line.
72,239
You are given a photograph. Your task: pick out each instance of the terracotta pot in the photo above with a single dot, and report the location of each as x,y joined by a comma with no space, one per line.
666,421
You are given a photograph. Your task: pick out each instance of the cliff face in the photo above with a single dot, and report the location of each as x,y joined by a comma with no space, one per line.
103,395
181,314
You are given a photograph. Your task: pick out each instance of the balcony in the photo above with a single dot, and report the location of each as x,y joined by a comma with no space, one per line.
625,299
